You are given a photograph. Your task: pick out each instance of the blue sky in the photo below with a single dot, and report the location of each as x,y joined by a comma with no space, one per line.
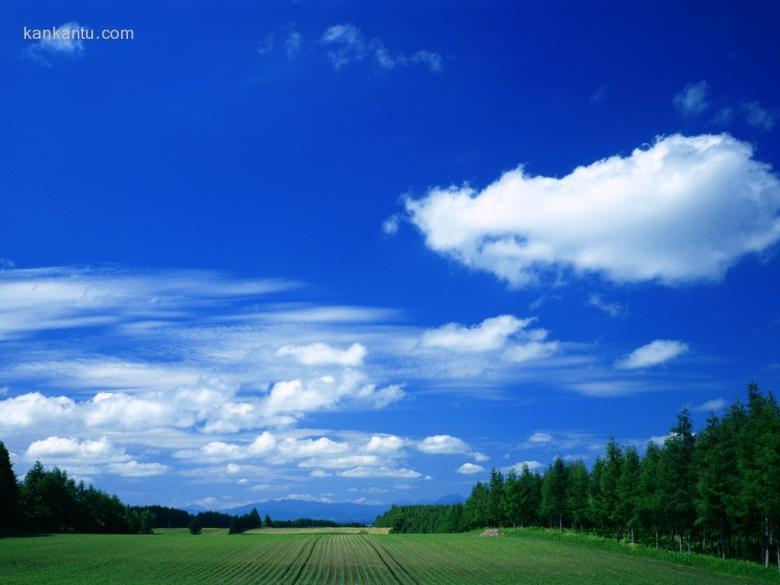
366,253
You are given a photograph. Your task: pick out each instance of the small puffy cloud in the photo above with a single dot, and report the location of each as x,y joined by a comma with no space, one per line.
693,99
295,448
136,469
263,444
610,308
532,465
93,456
293,44
757,116
57,43
442,445
391,224
469,468
654,353
34,409
69,448
489,335
480,457
706,194
385,444
297,397
540,438
317,354
710,405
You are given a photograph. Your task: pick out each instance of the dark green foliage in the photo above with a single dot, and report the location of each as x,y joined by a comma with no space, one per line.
194,525
423,519
165,517
268,523
717,492
555,494
9,492
50,501
250,521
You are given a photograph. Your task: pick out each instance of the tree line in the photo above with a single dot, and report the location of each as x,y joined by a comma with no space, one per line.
50,501
715,492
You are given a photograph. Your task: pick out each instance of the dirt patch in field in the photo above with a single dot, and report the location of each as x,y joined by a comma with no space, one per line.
491,532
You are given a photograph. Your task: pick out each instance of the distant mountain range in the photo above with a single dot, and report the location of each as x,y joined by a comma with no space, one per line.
291,509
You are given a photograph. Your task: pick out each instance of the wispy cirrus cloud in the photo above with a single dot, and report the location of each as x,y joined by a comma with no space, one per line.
346,44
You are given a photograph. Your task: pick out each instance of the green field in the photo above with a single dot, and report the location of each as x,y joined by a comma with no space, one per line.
335,557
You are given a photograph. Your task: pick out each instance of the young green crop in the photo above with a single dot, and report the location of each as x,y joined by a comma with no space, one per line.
295,558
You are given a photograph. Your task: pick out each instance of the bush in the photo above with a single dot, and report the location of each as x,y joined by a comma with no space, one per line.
194,526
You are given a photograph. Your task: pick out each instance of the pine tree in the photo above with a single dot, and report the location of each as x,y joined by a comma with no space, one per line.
530,497
610,476
194,525
511,501
477,512
628,488
649,502
579,483
268,523
678,479
554,493
496,498
9,492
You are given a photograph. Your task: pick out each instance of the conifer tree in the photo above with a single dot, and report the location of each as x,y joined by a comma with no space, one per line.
678,480
9,492
555,493
628,491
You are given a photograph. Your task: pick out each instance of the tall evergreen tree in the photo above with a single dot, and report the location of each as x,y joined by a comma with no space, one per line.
9,492
628,492
530,497
678,479
579,484
555,493
496,498
649,503
610,476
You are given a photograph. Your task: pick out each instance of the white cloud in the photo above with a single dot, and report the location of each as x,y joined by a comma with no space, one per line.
346,44
693,99
531,351
469,468
480,457
385,444
391,224
56,43
758,116
34,410
654,353
489,335
317,354
293,44
540,438
707,196
442,444
531,464
136,469
393,472
69,448
711,405
610,308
